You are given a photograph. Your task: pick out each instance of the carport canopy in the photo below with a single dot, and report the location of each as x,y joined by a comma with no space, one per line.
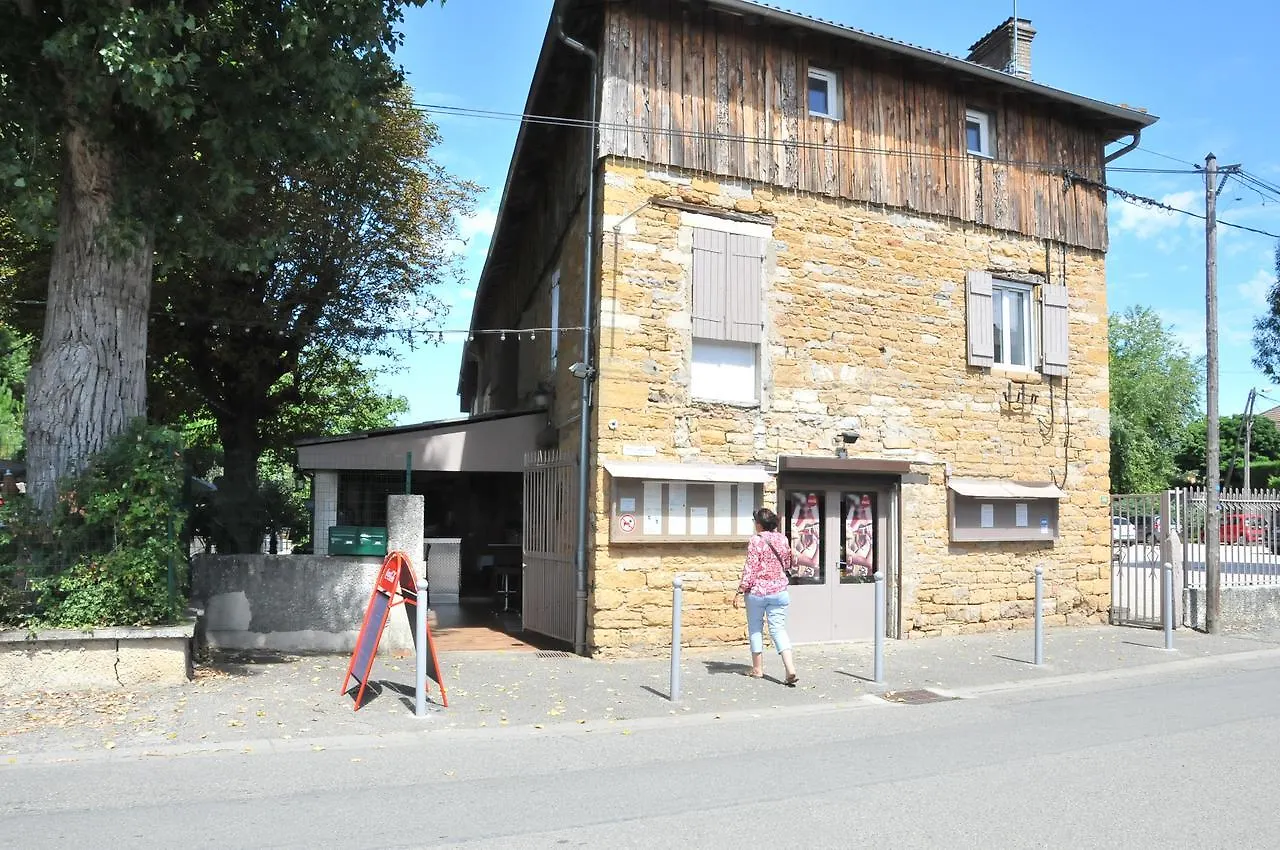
493,443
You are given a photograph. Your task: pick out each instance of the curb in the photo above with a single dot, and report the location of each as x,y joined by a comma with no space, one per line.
865,701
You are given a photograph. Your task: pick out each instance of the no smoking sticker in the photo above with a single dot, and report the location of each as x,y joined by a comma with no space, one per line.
627,522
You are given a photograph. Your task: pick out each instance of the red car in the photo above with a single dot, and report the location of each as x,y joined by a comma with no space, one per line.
1242,528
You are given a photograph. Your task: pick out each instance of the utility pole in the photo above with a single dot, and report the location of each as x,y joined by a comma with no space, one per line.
1248,438
1212,449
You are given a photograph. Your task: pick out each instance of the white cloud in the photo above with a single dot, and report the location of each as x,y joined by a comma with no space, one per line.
1253,292
1187,326
1145,221
479,223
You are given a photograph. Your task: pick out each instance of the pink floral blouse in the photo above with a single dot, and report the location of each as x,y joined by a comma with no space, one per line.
764,572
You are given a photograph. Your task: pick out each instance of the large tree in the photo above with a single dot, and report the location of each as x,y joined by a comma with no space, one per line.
148,115
325,262
1155,395
1266,331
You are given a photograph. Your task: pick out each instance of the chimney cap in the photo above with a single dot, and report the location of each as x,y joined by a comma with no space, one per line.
1024,29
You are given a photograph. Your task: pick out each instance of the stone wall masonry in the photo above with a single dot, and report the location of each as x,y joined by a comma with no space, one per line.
864,328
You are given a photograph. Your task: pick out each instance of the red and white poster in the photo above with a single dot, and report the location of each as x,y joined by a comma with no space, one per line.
806,536
859,536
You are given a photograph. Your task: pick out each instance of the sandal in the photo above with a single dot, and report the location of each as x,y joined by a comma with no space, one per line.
754,675
791,680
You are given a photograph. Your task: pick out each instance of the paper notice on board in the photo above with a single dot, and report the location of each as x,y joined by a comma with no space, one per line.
746,507
676,502
988,516
724,510
627,506
1020,514
652,507
698,521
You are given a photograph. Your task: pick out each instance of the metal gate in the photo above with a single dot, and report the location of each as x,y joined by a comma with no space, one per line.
1140,546
549,524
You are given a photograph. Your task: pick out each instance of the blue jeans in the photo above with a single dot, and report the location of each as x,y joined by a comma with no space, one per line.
774,607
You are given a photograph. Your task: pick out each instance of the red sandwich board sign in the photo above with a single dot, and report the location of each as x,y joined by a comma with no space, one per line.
396,585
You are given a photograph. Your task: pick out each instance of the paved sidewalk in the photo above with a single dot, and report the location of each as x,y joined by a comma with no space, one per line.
246,700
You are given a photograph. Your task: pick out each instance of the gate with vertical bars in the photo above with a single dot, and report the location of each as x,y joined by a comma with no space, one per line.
548,543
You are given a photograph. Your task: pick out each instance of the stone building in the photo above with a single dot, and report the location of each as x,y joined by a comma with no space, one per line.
857,281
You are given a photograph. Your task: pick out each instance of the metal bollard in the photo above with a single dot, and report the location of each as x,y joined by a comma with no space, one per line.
1167,574
1039,614
877,664
677,592
420,640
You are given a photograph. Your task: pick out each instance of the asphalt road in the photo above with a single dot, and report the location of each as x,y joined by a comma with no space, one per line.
1172,758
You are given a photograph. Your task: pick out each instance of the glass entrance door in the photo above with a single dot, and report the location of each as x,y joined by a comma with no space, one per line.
839,541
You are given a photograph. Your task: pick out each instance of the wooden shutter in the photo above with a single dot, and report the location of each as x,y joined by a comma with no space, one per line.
744,316
710,283
1054,350
981,331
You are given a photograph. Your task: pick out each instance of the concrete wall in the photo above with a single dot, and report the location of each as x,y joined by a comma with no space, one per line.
865,327
97,659
291,603
1244,609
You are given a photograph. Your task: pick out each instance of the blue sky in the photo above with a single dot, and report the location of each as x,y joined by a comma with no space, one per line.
1212,88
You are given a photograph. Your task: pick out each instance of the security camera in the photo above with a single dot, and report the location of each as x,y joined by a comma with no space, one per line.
850,436
581,371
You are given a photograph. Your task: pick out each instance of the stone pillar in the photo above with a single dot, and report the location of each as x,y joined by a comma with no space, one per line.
405,530
324,510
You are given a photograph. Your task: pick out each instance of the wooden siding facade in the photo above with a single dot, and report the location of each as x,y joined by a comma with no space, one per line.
690,87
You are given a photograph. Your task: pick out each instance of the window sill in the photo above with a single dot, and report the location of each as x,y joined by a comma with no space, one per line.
981,155
1017,374
824,116
707,402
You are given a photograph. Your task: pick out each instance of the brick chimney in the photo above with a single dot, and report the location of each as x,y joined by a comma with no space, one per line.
996,48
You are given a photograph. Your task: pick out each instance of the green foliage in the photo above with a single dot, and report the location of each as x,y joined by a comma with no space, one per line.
1155,391
1264,447
1266,331
15,359
103,557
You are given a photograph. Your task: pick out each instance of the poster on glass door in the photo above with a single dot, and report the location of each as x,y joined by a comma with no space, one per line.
859,536
806,537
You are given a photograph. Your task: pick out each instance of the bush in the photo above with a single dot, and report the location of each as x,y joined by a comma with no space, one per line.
103,556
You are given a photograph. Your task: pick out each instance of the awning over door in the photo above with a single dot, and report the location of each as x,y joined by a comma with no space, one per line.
481,444
726,473
987,488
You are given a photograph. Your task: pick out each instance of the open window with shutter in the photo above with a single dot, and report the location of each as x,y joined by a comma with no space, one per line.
1016,325
727,316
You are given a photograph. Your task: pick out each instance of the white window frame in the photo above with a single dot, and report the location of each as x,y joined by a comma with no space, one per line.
1028,323
555,318
832,79
983,120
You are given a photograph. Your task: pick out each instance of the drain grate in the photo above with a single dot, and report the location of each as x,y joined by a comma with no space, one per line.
553,653
920,696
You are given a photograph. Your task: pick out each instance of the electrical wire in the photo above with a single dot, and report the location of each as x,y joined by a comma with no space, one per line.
712,136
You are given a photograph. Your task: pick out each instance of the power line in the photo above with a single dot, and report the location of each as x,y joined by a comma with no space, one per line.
1143,200
712,136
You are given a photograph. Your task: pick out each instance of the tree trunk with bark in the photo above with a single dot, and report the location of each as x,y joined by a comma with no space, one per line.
90,377
241,518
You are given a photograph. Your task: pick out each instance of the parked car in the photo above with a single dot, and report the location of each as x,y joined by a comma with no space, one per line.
1237,528
1123,531
1150,528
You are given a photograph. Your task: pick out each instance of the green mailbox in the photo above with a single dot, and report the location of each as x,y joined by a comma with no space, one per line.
357,540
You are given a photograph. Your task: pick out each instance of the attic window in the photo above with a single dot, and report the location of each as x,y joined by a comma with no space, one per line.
977,133
824,94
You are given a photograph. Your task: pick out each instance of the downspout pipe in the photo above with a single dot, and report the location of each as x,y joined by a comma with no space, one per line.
585,464
1137,137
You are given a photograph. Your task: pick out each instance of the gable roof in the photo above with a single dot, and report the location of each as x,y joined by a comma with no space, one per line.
1123,119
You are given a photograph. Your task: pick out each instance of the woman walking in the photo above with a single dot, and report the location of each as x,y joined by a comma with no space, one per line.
764,584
